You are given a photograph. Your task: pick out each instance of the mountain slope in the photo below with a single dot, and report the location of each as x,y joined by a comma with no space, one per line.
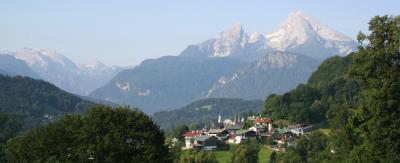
276,72
327,87
62,72
203,111
12,66
36,100
166,83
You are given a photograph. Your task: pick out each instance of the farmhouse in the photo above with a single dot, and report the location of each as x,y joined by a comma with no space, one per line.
258,128
189,138
299,129
241,135
204,142
219,133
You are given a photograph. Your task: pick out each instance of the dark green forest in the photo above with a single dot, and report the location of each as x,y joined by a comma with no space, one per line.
36,101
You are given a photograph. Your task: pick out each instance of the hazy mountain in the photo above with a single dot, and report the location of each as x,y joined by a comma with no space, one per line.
171,82
9,65
167,82
204,111
233,65
276,72
2,72
62,72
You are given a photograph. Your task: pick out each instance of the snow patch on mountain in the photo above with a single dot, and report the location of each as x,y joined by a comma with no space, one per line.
95,65
145,93
124,87
43,58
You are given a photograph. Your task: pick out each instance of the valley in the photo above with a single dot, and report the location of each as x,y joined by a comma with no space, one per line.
172,87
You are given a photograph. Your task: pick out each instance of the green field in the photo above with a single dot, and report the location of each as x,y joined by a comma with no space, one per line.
224,156
325,129
264,154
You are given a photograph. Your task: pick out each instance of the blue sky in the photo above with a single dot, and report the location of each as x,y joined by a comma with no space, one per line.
127,32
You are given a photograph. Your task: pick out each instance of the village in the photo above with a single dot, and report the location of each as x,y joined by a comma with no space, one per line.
223,133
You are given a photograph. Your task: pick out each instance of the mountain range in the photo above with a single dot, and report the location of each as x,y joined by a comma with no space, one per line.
299,33
55,68
233,65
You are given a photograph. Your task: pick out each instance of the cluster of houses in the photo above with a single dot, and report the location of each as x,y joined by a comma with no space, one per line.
234,132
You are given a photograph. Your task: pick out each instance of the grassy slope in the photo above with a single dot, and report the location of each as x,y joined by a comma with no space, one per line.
264,154
223,156
324,129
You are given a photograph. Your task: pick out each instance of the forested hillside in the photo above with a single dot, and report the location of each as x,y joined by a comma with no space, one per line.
309,103
35,101
203,111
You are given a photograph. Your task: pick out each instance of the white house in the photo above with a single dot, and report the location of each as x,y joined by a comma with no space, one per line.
189,138
241,135
258,128
297,131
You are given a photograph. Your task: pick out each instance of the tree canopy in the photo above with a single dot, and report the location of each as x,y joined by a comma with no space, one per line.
246,152
377,64
103,134
198,157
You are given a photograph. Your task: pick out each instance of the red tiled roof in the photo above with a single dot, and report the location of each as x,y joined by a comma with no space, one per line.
191,134
263,120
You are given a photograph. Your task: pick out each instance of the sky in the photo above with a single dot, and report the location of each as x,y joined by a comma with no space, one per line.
125,33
